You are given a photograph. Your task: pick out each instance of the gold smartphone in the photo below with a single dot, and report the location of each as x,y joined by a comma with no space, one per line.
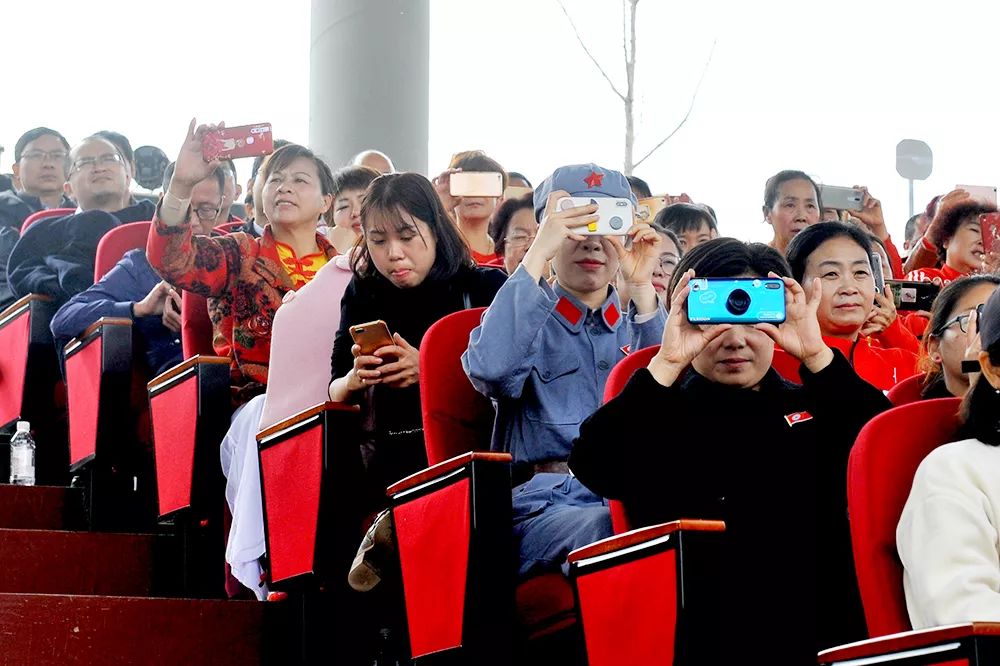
371,336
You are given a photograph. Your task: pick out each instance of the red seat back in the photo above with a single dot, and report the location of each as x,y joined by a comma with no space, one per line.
196,326
879,476
229,227
907,391
114,244
457,418
43,214
617,379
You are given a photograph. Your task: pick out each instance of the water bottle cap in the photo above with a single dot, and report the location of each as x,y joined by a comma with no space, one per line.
23,426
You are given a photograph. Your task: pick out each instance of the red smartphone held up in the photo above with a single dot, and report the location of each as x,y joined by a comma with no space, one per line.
232,142
989,225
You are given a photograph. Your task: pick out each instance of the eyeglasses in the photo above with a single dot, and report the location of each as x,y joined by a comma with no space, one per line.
668,262
519,240
87,163
207,213
962,320
43,155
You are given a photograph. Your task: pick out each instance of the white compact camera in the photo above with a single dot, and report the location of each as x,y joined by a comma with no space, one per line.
615,216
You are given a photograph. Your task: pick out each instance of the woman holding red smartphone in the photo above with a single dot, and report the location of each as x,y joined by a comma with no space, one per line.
245,279
412,269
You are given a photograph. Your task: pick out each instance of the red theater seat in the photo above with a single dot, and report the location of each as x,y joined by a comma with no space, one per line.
629,589
43,214
31,386
102,440
196,326
453,533
190,409
617,379
880,472
457,418
306,487
907,391
114,244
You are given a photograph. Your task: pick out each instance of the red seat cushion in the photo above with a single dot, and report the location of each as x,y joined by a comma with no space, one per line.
545,604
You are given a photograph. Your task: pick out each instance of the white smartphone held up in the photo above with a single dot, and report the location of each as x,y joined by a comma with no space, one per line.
984,193
476,184
841,198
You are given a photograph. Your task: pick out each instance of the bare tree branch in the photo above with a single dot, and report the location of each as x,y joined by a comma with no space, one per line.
687,115
587,51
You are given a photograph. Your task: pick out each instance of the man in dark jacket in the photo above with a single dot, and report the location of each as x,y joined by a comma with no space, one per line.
133,290
55,256
41,159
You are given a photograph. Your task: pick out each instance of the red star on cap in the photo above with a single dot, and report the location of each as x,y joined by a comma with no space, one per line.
594,179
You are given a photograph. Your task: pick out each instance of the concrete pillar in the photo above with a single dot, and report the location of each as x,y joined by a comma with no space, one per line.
368,80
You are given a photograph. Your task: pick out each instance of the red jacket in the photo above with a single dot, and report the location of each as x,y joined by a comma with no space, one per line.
880,367
941,276
244,281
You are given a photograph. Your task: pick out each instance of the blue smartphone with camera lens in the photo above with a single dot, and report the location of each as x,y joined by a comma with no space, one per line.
736,301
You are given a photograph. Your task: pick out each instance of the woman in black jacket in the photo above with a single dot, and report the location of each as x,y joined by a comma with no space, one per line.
412,268
735,441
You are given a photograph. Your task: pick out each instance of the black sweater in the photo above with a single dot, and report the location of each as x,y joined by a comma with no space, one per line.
395,447
710,451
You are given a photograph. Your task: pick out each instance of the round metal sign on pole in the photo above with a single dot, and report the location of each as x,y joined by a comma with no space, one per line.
914,161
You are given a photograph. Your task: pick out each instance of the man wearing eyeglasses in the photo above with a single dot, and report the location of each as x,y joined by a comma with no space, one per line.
55,256
133,290
41,158
40,164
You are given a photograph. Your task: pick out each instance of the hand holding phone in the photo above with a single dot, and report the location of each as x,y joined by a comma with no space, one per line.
371,336
912,296
227,143
842,198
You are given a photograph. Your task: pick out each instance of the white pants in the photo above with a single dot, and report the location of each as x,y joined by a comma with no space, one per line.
239,465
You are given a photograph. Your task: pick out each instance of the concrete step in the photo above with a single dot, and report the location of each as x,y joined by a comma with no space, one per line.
41,507
40,629
93,563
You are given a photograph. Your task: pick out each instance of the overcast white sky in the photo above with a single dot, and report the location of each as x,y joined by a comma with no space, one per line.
829,88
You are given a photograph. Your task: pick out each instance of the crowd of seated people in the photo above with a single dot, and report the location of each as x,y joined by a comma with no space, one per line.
742,404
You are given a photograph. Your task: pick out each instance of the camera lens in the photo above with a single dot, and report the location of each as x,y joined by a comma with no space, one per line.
616,223
738,302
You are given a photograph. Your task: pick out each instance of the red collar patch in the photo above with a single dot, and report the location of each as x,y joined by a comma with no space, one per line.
594,179
798,417
568,311
611,315
627,349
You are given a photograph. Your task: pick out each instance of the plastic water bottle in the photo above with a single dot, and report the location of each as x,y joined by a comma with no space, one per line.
22,456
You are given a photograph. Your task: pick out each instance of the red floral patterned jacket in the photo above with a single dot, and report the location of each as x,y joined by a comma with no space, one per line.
244,281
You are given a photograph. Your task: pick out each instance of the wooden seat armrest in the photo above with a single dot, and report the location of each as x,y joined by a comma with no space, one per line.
642,535
303,416
91,331
11,312
184,366
908,640
444,467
